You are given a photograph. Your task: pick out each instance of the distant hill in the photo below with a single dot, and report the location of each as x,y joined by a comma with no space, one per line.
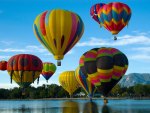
135,78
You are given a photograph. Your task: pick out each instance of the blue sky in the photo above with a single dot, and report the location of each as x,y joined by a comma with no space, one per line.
16,34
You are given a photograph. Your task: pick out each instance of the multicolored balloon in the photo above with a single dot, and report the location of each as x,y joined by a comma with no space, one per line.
94,11
58,30
114,17
68,81
85,83
104,67
3,65
24,69
48,70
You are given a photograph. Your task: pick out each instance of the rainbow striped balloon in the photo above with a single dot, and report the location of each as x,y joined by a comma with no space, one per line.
58,31
48,70
94,11
85,83
104,67
114,16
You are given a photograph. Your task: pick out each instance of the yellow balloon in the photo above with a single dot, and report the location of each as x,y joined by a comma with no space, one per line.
58,30
68,81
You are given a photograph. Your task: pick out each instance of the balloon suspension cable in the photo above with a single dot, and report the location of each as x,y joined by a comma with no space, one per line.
38,80
90,97
33,74
58,62
115,37
47,81
21,76
11,75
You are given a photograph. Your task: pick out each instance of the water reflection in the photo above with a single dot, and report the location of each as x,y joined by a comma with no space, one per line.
70,107
22,109
76,106
106,109
90,107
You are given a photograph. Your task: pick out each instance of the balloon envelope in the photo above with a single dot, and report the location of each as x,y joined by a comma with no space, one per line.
114,16
24,69
94,11
68,81
48,70
104,67
85,83
58,30
3,65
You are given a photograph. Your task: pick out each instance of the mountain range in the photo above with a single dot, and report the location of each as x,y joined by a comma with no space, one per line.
135,78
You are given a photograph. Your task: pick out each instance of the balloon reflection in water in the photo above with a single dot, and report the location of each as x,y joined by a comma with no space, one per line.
106,109
70,107
90,107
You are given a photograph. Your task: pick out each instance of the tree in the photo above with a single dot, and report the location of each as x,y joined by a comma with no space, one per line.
139,89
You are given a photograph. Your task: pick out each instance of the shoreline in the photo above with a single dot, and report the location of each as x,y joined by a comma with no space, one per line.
109,98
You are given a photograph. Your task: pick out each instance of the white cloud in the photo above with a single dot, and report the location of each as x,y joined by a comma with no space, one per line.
122,41
8,85
70,52
41,82
7,43
142,49
5,57
30,48
13,50
48,54
140,57
34,48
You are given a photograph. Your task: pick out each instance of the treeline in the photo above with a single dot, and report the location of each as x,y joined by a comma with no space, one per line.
44,91
138,90
56,91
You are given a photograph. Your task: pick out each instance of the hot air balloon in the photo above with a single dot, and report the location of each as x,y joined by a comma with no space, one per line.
104,67
3,65
48,70
94,11
85,83
68,81
58,30
24,69
114,17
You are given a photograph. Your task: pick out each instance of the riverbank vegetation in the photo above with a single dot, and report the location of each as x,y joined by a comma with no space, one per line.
56,91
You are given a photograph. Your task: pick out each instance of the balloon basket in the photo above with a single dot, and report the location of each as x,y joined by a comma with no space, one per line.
115,38
58,63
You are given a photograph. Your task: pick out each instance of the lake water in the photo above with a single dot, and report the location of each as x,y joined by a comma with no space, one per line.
74,106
